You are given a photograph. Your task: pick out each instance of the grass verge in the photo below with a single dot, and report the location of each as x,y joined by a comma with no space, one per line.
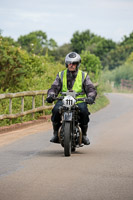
101,102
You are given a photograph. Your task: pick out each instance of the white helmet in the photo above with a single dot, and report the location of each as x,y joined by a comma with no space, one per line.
73,57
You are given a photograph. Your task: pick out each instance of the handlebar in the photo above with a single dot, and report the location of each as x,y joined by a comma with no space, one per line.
73,94
58,98
62,97
81,99
84,100
78,99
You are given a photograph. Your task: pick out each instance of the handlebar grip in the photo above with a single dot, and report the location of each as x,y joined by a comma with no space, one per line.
81,99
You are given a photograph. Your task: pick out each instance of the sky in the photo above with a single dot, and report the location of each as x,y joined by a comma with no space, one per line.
60,19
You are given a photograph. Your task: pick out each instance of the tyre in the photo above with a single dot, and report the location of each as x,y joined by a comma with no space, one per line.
67,139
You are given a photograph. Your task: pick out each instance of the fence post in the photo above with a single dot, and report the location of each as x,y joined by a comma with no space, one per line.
33,105
22,107
43,103
10,108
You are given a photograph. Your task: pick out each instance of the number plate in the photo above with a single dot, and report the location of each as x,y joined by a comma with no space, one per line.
69,101
67,116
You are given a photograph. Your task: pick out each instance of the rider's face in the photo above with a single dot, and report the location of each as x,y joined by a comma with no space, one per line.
72,67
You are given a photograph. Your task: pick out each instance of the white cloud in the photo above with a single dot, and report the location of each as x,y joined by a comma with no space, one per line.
60,19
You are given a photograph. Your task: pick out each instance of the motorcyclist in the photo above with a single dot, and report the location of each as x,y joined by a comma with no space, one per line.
72,79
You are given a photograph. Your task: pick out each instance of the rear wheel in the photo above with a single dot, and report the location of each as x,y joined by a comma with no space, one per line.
67,139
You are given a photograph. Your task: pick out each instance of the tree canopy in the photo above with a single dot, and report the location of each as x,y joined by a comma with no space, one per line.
95,44
36,42
31,53
18,67
91,64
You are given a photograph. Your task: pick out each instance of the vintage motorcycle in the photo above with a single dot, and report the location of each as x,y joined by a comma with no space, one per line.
70,133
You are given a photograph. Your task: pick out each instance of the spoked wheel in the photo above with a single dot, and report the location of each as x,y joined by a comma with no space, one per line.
67,139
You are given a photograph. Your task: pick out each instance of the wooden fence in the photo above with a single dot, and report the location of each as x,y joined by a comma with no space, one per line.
10,96
34,109
127,84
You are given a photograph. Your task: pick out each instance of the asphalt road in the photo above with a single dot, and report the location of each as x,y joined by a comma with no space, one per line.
32,168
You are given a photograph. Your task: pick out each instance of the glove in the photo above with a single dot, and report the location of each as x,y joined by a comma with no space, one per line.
50,98
89,100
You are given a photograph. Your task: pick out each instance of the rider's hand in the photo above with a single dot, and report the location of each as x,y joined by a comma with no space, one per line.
89,100
50,98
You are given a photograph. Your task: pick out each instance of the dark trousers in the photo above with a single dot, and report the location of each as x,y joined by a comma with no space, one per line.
83,115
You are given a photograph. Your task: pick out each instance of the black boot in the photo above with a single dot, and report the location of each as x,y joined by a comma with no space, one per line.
85,139
55,138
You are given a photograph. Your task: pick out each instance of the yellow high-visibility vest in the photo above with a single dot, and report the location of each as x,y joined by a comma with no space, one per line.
78,84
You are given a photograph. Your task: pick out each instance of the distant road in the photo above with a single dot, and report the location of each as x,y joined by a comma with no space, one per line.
32,168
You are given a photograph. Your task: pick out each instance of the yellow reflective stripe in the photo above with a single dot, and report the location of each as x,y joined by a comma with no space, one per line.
64,88
60,74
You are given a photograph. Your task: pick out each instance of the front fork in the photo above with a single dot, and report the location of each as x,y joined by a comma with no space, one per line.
72,117
75,132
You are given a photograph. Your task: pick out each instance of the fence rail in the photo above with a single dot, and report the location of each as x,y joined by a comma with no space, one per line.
127,84
10,96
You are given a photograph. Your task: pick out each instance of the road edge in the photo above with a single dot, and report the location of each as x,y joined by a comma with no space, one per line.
13,127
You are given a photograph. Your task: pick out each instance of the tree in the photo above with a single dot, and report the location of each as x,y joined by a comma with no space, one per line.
61,52
128,40
33,42
52,44
9,41
88,41
0,31
79,41
11,64
36,42
117,56
16,65
91,64
102,47
130,59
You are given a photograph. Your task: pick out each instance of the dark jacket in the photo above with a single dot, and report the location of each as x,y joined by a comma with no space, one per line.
88,86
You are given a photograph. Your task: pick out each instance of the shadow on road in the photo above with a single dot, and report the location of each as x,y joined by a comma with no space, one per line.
56,153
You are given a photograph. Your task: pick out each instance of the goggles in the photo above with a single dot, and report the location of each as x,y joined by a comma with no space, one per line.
73,63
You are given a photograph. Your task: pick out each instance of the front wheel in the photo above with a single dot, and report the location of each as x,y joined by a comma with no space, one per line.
67,139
